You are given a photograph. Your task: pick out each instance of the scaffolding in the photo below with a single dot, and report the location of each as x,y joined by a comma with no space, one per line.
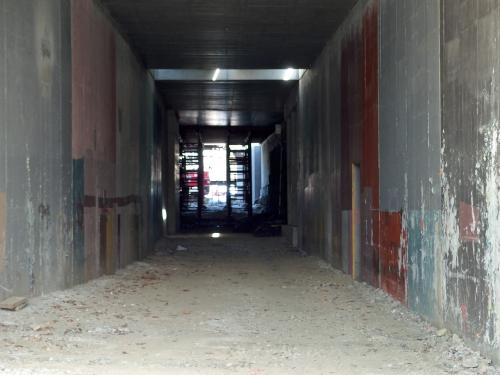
238,203
239,181
190,165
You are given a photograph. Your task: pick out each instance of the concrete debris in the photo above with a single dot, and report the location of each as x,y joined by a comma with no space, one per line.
181,248
42,327
441,332
149,275
244,307
8,325
14,303
109,331
470,363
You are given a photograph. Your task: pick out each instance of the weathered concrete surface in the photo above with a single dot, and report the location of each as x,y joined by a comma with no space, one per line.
94,133
426,147
333,125
410,127
470,177
79,191
35,146
116,122
235,305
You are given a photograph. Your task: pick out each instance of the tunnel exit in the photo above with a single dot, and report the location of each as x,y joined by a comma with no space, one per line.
215,183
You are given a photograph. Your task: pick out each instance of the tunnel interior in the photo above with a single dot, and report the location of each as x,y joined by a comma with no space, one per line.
232,146
360,132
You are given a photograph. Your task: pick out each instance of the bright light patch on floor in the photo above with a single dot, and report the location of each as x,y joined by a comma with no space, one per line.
215,235
164,214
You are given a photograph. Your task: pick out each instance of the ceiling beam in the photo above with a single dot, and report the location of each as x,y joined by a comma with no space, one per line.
289,74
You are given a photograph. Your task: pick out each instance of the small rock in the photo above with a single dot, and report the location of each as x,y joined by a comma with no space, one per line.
41,327
441,332
470,363
181,248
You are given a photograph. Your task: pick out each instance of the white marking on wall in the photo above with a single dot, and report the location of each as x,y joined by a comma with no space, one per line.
492,255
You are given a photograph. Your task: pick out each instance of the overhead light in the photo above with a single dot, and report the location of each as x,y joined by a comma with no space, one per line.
215,235
216,74
289,73
164,214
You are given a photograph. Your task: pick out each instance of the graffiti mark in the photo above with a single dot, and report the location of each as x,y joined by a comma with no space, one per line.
469,221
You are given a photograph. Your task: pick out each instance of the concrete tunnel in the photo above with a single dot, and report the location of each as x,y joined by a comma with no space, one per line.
249,186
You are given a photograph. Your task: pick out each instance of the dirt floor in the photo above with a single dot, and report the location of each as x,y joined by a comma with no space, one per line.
234,305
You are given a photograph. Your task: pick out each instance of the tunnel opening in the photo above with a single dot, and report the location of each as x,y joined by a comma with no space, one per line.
230,146
236,185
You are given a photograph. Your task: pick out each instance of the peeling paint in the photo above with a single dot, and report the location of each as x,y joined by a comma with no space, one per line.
431,227
3,223
492,255
44,76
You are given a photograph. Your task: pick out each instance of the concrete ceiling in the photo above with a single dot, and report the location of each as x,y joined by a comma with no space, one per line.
268,96
228,34
238,103
233,34
225,118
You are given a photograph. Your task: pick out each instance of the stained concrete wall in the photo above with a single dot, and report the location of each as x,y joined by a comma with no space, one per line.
129,120
406,91
470,170
324,125
94,135
80,161
35,151
139,123
410,126
117,138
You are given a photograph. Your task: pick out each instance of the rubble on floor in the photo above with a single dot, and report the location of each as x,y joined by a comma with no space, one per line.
237,304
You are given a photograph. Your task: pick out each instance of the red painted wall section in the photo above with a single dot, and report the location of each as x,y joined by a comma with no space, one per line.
94,127
393,255
359,132
351,111
369,152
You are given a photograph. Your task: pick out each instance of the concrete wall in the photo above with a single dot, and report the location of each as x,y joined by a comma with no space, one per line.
256,171
406,91
80,128
116,147
267,146
410,110
140,120
470,170
94,136
270,183
325,121
35,151
172,173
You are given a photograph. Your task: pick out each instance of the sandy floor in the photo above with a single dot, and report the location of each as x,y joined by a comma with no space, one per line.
236,305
